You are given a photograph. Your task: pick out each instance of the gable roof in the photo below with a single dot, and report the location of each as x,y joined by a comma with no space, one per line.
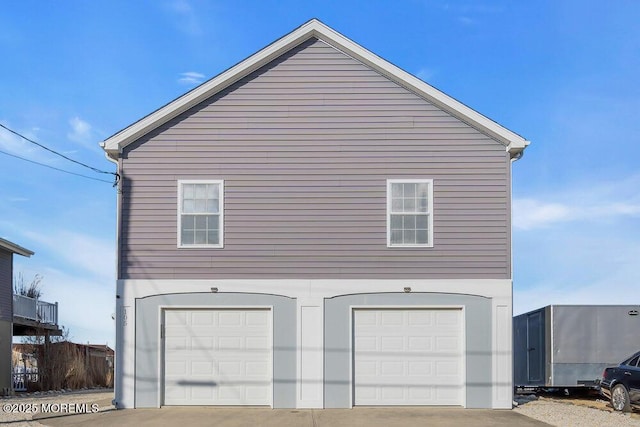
513,142
14,249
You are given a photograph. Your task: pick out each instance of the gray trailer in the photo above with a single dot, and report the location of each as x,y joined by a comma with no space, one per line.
566,346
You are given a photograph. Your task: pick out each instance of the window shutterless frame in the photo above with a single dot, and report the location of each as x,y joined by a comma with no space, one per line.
219,213
414,209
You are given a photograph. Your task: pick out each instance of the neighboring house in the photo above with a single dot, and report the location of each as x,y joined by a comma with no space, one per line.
314,227
19,314
7,249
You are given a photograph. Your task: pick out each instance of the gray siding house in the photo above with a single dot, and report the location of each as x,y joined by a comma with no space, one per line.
7,250
314,228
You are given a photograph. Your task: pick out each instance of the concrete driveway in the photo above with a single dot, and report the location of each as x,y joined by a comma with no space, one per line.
366,417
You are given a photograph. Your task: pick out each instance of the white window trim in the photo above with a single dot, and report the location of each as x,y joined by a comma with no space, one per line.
179,212
429,243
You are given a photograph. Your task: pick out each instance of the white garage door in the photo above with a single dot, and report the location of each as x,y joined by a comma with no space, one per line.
408,357
217,357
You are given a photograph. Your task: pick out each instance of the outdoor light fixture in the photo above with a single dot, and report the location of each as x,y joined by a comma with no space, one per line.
214,289
407,289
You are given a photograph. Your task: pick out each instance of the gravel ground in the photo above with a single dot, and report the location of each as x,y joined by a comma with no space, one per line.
18,411
570,414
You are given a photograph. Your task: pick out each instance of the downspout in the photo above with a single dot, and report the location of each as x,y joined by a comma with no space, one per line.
513,157
118,205
118,347
517,156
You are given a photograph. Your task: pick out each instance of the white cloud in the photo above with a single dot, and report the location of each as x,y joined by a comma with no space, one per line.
425,74
598,273
81,251
80,130
14,144
577,245
191,78
187,19
602,202
530,213
465,20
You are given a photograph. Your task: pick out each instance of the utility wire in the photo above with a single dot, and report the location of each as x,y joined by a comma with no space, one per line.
52,167
117,176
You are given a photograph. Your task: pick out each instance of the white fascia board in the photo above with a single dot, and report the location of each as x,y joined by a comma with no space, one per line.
13,248
513,142
128,135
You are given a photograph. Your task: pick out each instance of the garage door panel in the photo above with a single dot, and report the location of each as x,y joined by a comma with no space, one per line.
256,393
393,393
417,362
420,344
391,343
257,318
391,318
420,368
203,367
229,319
419,318
213,358
176,368
447,344
447,395
202,318
259,369
230,343
421,393
391,368
257,343
448,318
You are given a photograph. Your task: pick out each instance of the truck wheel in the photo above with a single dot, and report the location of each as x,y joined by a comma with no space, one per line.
620,398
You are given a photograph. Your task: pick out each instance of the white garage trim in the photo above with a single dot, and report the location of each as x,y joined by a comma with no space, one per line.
354,308
315,292
162,344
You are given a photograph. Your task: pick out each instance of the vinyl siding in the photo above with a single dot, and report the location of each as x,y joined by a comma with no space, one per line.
6,285
305,146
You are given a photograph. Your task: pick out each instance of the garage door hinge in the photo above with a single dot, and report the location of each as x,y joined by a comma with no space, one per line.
161,331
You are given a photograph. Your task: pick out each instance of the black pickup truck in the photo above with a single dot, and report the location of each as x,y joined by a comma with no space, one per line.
621,384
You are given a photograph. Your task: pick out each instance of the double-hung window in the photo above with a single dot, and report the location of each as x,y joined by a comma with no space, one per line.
410,213
200,214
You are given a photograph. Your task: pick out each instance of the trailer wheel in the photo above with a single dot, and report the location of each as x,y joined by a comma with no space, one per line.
620,398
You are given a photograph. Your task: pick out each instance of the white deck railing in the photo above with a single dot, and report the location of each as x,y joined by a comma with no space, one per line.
34,309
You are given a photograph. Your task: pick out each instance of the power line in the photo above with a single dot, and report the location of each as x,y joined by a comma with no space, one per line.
55,152
115,174
54,168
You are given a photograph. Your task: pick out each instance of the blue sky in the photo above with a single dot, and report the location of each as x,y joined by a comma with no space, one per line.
563,75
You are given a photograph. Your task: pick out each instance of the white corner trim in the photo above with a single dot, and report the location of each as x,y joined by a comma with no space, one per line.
502,349
313,28
310,352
